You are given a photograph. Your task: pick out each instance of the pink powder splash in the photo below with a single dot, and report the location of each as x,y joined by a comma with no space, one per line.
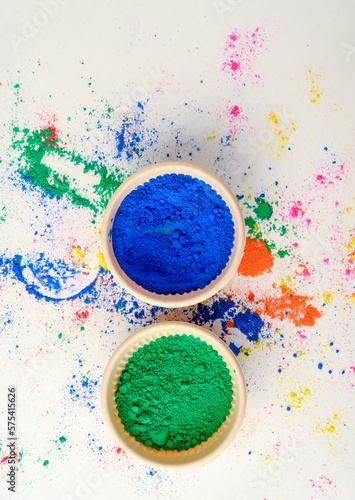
235,111
330,174
236,119
294,211
323,485
241,50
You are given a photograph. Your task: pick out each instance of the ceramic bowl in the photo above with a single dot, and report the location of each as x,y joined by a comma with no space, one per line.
173,460
188,298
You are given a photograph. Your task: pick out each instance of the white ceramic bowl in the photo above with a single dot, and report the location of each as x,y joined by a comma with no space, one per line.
139,178
162,459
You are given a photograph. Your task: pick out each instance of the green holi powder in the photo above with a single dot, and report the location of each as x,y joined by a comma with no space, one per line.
174,393
33,146
282,253
60,335
250,223
62,439
3,214
263,210
45,463
259,226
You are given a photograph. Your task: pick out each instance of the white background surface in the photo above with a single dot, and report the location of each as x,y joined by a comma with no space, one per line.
118,46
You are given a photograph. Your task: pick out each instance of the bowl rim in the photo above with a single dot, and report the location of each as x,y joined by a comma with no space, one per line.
188,298
161,329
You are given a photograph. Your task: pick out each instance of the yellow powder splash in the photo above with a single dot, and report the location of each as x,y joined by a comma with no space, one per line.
350,248
296,399
330,425
282,128
102,261
316,94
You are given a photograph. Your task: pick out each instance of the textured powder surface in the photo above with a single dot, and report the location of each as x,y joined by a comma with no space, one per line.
174,234
174,393
256,260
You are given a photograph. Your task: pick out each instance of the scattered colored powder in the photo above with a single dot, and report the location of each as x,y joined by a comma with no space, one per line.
235,111
45,463
39,147
174,234
282,127
264,209
248,322
291,306
102,261
241,51
174,393
297,398
315,92
256,259
62,439
320,366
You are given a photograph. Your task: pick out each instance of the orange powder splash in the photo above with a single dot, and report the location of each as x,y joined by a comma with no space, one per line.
290,306
256,259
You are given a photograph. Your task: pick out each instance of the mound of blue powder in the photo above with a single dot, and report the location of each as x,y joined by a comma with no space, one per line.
172,235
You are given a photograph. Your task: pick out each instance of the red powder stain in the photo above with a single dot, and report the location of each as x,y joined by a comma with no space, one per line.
251,297
241,50
256,260
81,317
230,324
301,336
50,124
5,458
295,245
352,368
120,453
288,305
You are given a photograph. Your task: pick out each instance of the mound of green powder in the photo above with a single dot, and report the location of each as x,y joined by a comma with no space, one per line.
174,393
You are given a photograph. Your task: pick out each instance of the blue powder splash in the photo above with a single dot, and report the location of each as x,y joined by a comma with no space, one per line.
48,279
85,392
174,234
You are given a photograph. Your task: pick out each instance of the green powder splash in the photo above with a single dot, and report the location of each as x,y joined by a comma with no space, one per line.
36,145
174,393
263,209
262,225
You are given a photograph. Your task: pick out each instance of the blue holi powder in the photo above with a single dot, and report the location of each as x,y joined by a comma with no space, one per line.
249,323
320,366
132,137
207,314
46,279
84,392
94,446
234,348
172,235
151,472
